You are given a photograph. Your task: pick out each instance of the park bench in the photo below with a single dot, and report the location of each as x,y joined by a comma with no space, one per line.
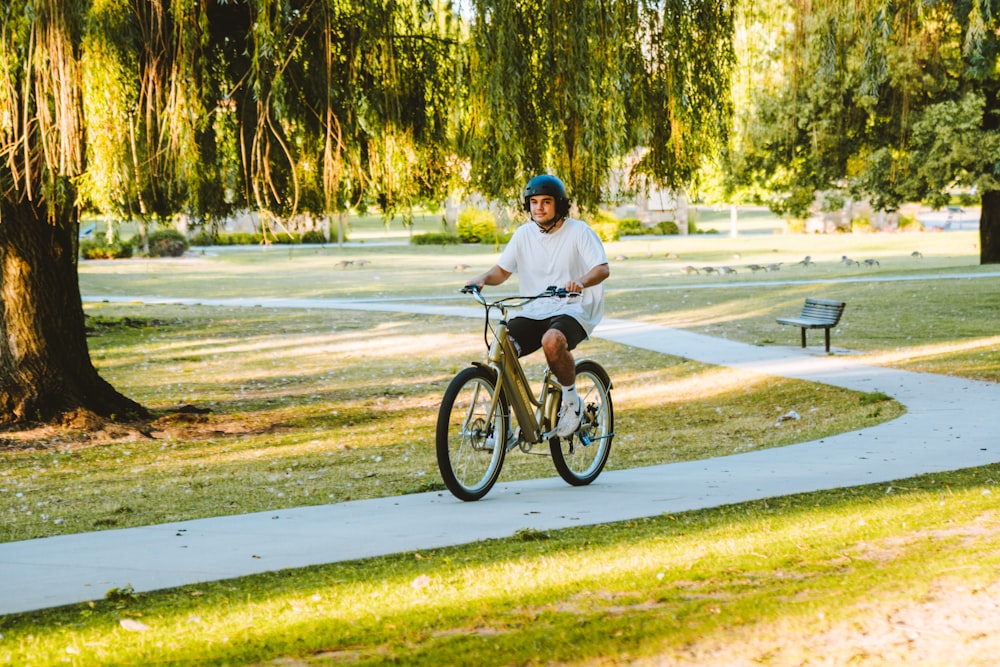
817,314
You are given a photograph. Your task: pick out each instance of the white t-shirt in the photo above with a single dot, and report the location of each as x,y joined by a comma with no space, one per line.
541,260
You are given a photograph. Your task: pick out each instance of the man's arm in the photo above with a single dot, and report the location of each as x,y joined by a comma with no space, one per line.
595,276
494,276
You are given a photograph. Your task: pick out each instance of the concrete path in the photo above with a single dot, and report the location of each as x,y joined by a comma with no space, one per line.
950,424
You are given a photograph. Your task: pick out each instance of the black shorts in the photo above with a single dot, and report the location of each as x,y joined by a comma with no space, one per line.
528,332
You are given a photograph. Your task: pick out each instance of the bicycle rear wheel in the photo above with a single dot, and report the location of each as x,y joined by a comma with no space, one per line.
471,439
581,458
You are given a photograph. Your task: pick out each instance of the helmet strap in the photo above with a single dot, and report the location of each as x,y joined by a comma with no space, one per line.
548,228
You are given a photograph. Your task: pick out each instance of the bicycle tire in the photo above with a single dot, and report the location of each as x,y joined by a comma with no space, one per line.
577,462
468,463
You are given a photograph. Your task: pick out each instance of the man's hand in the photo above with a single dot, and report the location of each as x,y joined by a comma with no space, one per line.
573,286
595,276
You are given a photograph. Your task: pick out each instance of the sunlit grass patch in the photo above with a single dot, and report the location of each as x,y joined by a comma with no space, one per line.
776,580
976,358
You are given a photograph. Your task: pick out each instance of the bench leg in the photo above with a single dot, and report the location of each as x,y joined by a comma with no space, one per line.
827,332
803,329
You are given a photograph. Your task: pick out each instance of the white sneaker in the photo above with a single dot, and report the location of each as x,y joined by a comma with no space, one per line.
569,416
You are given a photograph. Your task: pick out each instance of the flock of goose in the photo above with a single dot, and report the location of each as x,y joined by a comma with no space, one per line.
776,266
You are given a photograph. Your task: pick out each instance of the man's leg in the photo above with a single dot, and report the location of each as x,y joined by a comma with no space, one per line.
558,356
560,360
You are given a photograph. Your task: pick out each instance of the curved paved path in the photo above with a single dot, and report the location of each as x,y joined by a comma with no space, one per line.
950,424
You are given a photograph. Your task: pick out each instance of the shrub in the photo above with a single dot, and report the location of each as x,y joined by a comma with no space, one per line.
283,238
205,237
435,238
167,243
632,227
606,225
795,225
667,228
909,223
241,238
497,238
98,249
477,226
861,224
607,231
313,236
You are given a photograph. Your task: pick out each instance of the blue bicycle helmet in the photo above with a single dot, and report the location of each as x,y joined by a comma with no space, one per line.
547,185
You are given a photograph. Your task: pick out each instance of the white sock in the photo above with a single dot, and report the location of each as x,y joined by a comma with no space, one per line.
568,391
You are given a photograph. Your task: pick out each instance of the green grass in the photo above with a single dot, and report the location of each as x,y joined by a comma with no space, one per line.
764,582
306,409
315,406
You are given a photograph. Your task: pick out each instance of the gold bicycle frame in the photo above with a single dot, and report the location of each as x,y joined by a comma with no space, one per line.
527,408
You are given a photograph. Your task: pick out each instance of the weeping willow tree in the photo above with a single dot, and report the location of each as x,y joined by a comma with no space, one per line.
687,50
343,104
151,110
581,86
194,109
278,106
405,66
45,366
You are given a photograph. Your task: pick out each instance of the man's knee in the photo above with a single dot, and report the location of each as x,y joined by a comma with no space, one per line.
554,337
554,342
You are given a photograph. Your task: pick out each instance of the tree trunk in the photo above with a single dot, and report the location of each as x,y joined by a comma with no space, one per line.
45,366
989,228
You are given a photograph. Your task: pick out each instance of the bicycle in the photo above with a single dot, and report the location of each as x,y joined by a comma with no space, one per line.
474,431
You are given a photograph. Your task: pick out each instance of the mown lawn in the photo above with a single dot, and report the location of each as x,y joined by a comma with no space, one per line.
261,408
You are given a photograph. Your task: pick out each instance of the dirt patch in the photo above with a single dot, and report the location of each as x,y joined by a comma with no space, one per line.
952,625
86,429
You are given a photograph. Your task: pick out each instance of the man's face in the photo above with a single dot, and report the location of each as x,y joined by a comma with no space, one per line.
543,208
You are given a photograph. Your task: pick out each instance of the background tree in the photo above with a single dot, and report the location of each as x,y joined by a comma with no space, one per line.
895,101
45,367
956,138
284,107
342,104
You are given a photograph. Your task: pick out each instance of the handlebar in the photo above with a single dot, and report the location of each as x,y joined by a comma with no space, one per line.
517,301
511,302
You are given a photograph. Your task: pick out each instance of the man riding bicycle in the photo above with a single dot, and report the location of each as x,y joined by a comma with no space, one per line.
565,252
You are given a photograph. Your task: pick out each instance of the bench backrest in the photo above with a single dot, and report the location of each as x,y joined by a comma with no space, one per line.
824,310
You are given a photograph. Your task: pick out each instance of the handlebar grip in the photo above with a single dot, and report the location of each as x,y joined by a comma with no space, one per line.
471,287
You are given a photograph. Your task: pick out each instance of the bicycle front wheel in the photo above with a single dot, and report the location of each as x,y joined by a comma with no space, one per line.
471,439
581,458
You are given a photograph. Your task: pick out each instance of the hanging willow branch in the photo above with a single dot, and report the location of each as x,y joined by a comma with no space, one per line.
576,86
41,121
